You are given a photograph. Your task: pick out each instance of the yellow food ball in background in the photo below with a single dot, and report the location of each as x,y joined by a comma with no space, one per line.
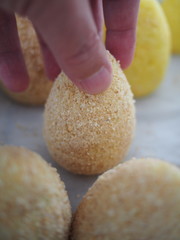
139,199
33,200
172,11
39,85
152,49
88,134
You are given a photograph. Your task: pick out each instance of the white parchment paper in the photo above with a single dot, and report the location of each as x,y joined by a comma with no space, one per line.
157,132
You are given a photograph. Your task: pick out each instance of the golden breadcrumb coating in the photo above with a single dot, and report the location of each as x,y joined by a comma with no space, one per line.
39,85
139,199
33,201
88,134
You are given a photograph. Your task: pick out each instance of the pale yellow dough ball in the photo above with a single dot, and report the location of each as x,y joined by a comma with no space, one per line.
139,199
152,49
33,202
172,11
40,85
88,134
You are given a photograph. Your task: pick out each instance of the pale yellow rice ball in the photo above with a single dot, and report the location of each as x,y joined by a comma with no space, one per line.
139,199
33,202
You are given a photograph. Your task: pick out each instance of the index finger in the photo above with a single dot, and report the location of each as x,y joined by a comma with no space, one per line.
13,71
120,19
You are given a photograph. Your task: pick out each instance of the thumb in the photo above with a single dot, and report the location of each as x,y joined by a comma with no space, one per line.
69,30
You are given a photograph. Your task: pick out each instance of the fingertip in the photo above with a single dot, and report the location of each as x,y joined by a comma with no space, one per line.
16,84
52,71
128,57
121,46
51,67
13,73
126,62
97,82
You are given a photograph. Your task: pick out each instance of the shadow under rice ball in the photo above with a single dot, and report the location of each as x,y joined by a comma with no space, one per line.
137,200
88,134
33,201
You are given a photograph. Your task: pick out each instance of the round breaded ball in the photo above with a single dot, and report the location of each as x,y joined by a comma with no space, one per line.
33,200
172,11
40,85
152,52
88,134
139,199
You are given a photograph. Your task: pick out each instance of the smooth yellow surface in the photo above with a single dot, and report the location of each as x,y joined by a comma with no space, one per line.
152,49
172,11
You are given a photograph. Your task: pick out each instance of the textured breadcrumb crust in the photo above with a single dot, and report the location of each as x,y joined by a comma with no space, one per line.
172,11
139,199
88,134
152,49
33,201
39,86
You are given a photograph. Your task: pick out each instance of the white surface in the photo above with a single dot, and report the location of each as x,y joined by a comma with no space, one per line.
157,134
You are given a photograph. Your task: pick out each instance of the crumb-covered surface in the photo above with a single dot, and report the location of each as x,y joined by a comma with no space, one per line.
33,201
89,134
157,130
39,85
139,199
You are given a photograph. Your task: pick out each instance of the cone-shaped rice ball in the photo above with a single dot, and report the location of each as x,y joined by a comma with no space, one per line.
88,134
33,200
139,199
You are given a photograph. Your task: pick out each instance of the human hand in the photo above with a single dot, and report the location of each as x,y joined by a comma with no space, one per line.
70,38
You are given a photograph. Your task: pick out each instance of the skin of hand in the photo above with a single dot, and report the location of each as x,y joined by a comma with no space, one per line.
69,33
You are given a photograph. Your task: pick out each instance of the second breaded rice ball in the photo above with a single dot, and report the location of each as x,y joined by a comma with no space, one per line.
33,201
139,199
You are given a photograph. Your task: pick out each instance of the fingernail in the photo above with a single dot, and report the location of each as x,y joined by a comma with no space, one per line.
98,82
52,69
13,77
52,73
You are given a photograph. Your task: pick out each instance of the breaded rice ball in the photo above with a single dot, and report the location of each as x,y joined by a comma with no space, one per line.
88,134
33,201
39,85
137,200
152,52
172,11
